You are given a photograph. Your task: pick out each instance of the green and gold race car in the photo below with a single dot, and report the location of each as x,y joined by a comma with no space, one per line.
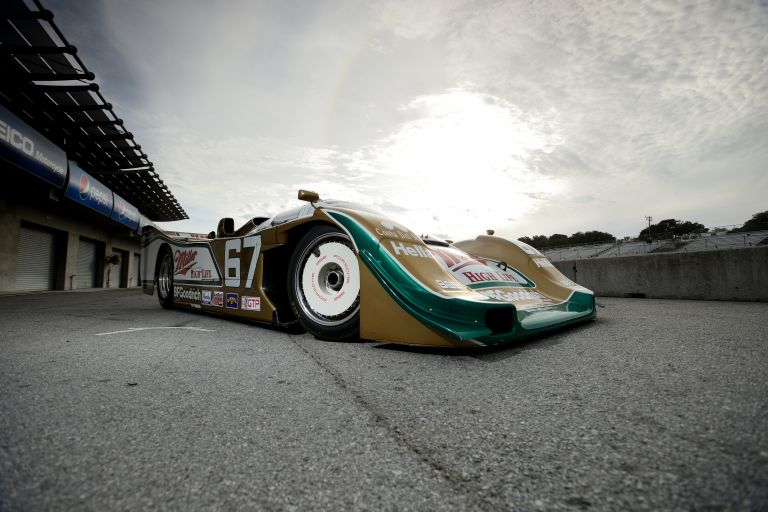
344,272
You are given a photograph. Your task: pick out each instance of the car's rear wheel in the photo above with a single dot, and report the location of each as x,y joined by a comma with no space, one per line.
165,278
324,284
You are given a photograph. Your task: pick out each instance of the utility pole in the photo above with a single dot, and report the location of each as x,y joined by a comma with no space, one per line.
649,219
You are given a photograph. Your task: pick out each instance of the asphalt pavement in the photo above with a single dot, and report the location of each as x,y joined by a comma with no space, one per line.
108,402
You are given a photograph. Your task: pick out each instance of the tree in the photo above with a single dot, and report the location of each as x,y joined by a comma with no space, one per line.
591,237
539,241
526,240
670,228
558,239
542,242
759,221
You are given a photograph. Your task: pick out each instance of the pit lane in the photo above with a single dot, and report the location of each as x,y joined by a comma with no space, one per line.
110,402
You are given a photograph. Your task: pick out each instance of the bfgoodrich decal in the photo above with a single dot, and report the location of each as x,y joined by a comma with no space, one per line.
183,293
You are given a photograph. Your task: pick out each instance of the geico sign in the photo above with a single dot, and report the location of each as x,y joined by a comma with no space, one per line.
16,139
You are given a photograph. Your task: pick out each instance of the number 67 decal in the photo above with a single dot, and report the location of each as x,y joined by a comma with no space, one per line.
232,263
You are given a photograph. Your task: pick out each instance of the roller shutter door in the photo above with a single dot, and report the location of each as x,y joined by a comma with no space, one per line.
35,261
86,264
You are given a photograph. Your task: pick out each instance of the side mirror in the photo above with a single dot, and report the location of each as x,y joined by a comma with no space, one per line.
309,196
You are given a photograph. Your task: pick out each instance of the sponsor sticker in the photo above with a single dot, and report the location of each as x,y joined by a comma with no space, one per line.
232,300
186,264
218,299
403,249
518,296
447,285
251,303
480,272
206,297
183,261
392,230
183,293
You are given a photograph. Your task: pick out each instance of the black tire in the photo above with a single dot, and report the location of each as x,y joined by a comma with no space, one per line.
324,284
164,278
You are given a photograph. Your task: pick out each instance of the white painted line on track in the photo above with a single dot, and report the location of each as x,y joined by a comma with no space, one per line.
135,329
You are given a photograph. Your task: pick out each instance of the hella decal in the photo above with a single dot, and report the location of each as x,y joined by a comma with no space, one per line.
232,301
402,249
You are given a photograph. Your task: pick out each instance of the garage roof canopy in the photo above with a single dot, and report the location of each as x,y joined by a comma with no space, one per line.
45,83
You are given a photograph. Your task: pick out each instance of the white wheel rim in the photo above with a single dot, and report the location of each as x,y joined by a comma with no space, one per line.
329,283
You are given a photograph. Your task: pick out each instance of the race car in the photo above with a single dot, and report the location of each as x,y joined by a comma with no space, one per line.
342,271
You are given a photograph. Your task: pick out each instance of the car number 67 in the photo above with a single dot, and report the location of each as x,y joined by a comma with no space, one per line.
232,263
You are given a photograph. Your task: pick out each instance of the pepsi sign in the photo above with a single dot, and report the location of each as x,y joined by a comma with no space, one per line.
25,147
125,213
87,190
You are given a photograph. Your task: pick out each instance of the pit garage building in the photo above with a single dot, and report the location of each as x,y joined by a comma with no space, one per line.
75,188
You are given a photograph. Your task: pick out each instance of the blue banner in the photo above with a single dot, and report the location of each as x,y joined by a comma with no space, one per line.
21,145
87,190
125,213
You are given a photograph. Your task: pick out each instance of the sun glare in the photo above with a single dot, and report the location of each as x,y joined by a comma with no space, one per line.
461,164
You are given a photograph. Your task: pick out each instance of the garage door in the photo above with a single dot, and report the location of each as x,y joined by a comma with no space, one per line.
35,261
86,264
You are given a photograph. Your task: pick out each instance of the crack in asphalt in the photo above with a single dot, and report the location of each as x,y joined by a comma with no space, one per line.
473,495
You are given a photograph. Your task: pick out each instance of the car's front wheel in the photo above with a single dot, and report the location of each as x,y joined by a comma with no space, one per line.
324,284
165,278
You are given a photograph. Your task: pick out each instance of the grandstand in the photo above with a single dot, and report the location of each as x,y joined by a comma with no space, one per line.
715,240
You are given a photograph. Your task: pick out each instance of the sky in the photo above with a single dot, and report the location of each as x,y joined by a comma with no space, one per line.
452,116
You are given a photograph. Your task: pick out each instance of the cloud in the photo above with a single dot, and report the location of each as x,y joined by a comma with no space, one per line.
525,117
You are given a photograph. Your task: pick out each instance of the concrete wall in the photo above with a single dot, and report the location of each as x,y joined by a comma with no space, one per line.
72,226
735,274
